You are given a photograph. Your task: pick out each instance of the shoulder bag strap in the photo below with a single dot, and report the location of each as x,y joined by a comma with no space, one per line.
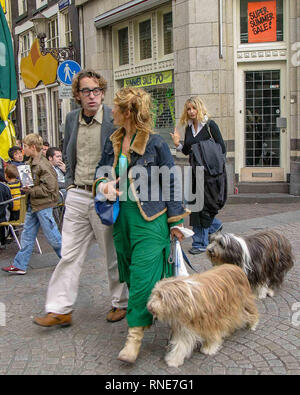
208,128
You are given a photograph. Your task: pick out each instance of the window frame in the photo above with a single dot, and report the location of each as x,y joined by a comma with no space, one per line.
40,3
22,7
119,51
53,41
25,51
261,45
146,20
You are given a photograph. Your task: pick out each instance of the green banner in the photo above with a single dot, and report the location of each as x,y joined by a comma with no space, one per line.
8,87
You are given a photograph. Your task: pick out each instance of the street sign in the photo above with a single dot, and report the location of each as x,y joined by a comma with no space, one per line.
65,92
66,71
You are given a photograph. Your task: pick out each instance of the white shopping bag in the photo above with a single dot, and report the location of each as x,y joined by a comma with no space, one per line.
176,259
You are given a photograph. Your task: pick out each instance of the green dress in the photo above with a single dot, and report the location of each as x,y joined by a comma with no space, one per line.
142,250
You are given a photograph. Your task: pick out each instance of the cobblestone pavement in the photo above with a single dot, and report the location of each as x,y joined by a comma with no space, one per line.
91,345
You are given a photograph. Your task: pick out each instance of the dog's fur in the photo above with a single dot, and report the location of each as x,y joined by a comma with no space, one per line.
204,308
265,257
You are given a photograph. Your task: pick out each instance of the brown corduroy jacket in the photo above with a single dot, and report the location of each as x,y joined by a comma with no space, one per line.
45,192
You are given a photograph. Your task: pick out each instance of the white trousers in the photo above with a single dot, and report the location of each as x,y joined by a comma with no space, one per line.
81,226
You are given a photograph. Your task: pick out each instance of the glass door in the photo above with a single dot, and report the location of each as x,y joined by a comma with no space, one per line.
262,107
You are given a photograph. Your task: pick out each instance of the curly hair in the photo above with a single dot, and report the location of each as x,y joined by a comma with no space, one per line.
89,74
198,104
139,103
13,150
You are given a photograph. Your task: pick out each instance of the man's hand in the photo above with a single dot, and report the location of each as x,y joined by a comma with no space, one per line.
61,165
25,189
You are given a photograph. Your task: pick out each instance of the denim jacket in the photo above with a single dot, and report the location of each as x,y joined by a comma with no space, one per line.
148,154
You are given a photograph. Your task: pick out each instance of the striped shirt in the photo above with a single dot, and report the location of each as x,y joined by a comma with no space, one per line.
15,192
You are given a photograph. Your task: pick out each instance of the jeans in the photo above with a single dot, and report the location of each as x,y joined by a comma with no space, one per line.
200,237
33,221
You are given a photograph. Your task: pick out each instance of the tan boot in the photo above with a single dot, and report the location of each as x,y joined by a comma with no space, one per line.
132,346
52,319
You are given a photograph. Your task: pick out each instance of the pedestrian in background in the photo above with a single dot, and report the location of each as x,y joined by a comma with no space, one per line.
16,156
13,182
198,127
42,197
86,130
5,195
46,145
54,155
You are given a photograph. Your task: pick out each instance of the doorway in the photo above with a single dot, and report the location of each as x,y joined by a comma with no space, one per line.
263,146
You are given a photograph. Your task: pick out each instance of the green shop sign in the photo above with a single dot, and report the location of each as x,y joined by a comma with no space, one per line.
159,78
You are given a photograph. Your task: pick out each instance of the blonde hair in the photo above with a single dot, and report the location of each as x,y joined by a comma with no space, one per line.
34,139
198,104
139,103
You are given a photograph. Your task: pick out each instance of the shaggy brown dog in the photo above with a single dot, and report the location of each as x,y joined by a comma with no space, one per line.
204,308
265,257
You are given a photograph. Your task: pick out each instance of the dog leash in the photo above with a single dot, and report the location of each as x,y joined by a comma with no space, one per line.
171,257
187,261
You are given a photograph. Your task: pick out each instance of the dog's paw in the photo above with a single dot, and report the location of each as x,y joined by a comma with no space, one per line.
210,350
254,326
270,292
173,362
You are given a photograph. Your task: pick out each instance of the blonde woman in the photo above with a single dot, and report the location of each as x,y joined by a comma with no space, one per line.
142,230
195,118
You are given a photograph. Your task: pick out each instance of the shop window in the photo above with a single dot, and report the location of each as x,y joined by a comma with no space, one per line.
22,6
123,46
261,21
262,137
168,33
28,114
145,40
53,38
42,116
163,100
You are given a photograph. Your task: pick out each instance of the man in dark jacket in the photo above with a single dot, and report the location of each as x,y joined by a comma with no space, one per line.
86,130
4,196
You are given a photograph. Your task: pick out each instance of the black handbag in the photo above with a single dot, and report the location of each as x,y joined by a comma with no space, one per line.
209,154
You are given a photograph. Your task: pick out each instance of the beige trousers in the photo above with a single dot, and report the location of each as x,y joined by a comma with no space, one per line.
81,226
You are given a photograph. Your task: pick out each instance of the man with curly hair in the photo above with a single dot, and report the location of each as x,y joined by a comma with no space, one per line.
86,130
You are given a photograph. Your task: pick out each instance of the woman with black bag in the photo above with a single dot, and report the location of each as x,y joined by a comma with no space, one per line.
199,129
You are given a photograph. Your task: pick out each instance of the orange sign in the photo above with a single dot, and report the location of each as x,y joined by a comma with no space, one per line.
262,21
35,67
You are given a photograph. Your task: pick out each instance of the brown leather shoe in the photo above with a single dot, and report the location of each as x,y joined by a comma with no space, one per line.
52,319
116,314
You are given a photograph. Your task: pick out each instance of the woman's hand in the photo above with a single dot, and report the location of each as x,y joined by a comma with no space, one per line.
176,232
175,137
109,190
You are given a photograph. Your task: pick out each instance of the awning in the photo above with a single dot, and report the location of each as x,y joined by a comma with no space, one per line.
125,11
